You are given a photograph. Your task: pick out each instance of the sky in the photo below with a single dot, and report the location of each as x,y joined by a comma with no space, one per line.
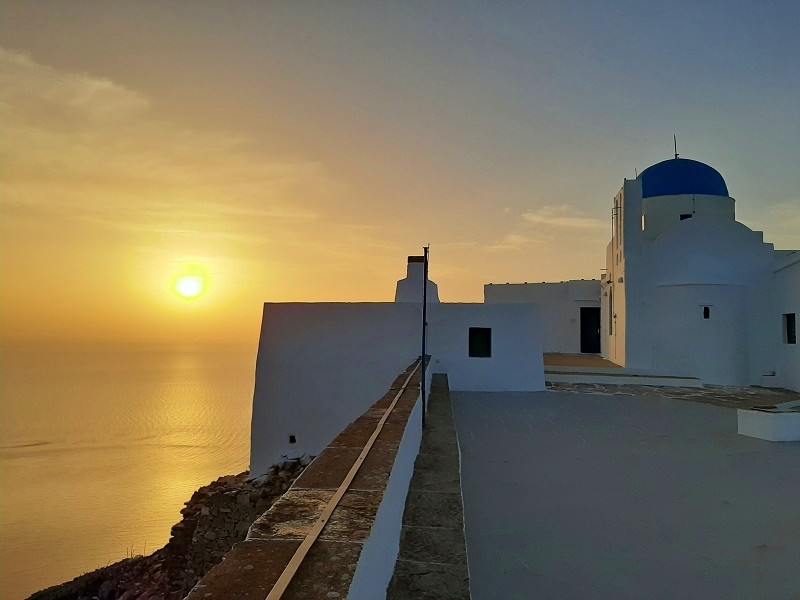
299,151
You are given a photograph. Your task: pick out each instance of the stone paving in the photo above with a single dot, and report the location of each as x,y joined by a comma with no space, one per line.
730,397
433,560
625,493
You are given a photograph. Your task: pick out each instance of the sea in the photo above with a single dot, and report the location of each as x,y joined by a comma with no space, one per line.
102,444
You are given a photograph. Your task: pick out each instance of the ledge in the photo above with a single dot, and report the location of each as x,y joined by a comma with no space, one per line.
356,550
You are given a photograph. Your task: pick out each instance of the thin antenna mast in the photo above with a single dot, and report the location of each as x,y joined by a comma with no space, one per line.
424,357
675,141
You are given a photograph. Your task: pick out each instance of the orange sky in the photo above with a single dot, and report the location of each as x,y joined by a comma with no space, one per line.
302,160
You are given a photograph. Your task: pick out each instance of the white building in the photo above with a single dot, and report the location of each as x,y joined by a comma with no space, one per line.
569,311
688,290
322,365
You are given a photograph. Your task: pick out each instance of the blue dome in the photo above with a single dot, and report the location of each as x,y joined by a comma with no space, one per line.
681,176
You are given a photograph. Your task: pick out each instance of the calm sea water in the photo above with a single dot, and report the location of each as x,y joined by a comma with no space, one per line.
100,446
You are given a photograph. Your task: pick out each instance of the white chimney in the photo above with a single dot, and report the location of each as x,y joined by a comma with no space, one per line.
410,288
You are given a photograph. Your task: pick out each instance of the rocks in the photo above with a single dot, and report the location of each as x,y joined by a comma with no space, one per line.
107,591
216,517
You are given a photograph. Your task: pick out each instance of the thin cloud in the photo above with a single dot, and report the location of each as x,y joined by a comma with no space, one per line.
565,216
517,242
87,148
30,88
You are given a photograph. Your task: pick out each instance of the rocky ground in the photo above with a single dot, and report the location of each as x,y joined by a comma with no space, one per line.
730,397
214,519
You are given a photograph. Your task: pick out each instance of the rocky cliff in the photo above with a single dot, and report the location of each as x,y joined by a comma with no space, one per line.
214,519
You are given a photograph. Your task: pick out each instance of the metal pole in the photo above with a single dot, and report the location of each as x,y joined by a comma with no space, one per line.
424,329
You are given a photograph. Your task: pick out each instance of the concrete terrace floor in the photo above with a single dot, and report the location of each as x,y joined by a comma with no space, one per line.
573,495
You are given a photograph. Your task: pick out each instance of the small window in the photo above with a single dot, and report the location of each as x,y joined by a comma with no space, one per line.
789,328
480,342
292,439
706,312
685,216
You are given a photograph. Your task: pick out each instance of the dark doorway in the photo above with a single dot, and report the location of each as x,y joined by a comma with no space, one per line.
590,329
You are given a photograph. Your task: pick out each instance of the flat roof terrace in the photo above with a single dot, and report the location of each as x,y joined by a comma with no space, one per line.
591,495
561,359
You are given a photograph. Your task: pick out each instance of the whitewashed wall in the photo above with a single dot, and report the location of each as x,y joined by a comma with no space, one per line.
623,250
705,261
319,367
787,300
559,306
516,363
662,212
713,349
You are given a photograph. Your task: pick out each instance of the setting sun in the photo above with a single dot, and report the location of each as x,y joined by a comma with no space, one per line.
191,283
189,286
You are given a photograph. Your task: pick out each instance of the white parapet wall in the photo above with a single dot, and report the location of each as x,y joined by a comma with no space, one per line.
379,554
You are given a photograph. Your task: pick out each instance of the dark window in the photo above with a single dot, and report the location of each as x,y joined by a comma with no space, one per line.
686,216
292,439
789,328
480,342
706,312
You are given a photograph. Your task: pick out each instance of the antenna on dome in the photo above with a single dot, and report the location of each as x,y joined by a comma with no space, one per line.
675,141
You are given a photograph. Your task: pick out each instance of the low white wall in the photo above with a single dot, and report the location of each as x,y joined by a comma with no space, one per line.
319,367
516,363
773,427
380,551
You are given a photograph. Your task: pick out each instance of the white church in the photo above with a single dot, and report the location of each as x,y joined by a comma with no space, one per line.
688,291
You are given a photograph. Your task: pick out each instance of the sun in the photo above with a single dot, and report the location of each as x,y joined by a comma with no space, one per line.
189,286
191,283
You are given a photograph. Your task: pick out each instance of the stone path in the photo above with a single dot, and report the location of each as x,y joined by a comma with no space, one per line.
729,397
433,560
